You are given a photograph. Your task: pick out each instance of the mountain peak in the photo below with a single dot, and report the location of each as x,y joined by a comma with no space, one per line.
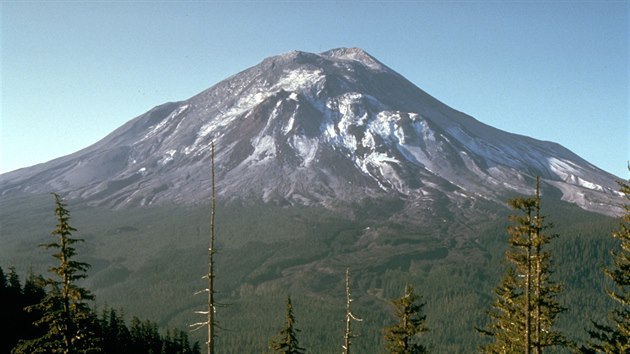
327,128
345,52
354,53
294,54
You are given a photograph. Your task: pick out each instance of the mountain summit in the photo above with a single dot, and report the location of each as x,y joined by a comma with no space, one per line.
305,128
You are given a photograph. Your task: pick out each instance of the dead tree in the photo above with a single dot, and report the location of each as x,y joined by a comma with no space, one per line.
348,335
210,321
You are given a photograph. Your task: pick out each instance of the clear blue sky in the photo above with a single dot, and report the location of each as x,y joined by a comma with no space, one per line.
73,71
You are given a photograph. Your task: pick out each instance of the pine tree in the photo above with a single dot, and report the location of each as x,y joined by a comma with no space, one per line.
615,338
34,288
12,309
3,281
114,331
507,322
137,336
15,299
401,338
69,322
526,309
286,341
34,291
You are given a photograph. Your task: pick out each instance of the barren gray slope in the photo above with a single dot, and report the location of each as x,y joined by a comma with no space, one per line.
307,128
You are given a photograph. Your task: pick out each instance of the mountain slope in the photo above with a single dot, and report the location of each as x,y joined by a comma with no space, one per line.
324,161
310,128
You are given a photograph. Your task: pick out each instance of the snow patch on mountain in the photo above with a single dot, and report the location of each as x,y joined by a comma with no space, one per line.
570,173
297,80
264,149
289,126
154,130
589,185
317,128
415,154
306,148
482,148
563,169
167,157
245,104
355,54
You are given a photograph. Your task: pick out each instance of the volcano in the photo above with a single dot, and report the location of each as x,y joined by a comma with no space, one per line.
323,162
309,128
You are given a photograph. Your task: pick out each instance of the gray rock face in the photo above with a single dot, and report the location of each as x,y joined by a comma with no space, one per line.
328,128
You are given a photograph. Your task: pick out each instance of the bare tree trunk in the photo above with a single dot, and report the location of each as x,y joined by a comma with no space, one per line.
538,258
347,338
210,275
210,312
528,277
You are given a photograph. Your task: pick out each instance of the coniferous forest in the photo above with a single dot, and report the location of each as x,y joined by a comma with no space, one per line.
109,330
55,313
52,315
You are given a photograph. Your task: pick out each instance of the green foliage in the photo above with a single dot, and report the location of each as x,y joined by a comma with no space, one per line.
69,324
286,342
114,335
615,338
401,338
525,310
15,299
266,251
506,321
65,314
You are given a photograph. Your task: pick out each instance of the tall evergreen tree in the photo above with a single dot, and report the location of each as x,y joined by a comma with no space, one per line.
12,308
615,337
114,331
14,301
3,281
137,335
13,282
402,337
526,309
507,322
286,342
109,334
69,322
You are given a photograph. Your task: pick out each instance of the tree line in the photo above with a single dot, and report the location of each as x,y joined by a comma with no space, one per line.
52,315
523,315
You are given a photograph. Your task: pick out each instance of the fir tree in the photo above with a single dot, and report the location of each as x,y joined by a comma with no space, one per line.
402,337
526,309
69,323
507,322
3,282
114,331
14,303
615,337
286,342
13,309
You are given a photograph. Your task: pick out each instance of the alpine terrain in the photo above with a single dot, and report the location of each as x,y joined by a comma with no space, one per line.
314,129
323,161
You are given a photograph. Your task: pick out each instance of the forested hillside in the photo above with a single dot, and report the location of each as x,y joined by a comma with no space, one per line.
114,333
267,252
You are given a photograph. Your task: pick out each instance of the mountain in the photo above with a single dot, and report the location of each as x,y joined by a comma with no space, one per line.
315,129
324,162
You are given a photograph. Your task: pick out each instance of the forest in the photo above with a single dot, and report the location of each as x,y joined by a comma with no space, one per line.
55,315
